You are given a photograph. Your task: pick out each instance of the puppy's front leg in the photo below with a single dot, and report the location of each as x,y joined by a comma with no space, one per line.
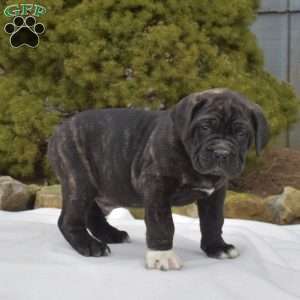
211,215
160,232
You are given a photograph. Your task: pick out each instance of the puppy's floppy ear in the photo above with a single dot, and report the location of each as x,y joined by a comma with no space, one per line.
184,111
260,126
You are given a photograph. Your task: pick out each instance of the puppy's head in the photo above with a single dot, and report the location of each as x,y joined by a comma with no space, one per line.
217,127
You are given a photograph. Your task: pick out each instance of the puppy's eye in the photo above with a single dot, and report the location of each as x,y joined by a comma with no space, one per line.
204,127
241,133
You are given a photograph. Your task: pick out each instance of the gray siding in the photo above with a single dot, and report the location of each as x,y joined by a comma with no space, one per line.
277,29
295,4
295,51
271,34
273,5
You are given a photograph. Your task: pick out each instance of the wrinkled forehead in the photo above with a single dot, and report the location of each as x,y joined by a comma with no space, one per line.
227,109
226,106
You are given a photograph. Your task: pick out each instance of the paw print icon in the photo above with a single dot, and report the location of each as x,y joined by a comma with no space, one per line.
24,31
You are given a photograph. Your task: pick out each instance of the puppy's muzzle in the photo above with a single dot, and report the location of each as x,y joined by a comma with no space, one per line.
221,155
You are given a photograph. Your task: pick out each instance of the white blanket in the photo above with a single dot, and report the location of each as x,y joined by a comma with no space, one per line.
36,263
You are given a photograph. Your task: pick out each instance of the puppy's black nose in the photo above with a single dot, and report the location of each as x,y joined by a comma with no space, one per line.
221,154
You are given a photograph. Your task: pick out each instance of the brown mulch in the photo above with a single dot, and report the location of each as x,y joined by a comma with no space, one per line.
278,168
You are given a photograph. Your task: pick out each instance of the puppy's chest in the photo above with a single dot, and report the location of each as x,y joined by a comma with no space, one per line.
188,191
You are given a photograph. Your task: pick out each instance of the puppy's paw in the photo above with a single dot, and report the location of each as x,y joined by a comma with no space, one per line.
162,260
222,252
93,248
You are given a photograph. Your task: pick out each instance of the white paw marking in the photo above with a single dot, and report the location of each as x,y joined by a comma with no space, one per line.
232,253
162,260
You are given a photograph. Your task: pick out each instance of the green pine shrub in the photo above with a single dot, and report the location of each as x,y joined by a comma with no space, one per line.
129,53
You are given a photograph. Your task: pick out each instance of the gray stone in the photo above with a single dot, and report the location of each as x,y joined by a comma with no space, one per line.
285,207
246,206
14,195
49,196
278,209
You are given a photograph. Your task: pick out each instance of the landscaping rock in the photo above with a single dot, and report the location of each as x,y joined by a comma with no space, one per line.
49,196
285,207
278,209
246,206
14,195
237,206
33,188
137,213
189,210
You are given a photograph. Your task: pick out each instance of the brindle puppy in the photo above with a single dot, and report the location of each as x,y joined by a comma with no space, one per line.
155,160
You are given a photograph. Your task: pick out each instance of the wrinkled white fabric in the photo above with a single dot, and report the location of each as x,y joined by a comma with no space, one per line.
37,263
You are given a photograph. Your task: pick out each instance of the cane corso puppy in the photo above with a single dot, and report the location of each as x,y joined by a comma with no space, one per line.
153,159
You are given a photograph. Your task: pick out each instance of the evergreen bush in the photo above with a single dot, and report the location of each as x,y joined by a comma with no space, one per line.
129,53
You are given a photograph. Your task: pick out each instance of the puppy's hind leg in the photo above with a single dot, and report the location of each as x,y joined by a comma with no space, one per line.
78,192
72,225
101,229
